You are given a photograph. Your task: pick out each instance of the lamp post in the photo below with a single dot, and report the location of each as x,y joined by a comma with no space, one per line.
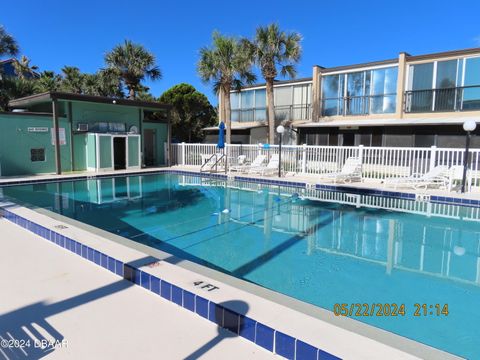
280,131
468,126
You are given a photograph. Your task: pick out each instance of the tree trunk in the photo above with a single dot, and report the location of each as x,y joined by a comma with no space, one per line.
270,112
228,117
131,95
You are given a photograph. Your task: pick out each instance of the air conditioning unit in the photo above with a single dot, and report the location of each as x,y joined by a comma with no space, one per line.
82,127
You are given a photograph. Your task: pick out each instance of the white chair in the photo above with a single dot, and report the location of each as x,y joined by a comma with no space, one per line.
245,166
456,177
269,169
351,171
436,177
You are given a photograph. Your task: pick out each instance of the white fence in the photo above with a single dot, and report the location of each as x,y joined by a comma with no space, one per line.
377,162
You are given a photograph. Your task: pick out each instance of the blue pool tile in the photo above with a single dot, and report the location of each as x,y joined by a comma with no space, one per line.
284,345
323,355
215,313
61,241
166,290
90,254
264,336
230,320
201,306
119,268
96,257
111,264
78,248
155,284
145,280
128,273
305,351
188,300
177,295
137,276
85,251
247,328
104,260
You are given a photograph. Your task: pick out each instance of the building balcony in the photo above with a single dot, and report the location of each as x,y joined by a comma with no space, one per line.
359,105
282,113
465,98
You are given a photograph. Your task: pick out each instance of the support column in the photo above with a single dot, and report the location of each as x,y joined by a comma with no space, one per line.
316,93
401,84
70,118
58,163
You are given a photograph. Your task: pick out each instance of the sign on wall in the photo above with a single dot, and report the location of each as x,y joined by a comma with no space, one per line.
61,136
38,129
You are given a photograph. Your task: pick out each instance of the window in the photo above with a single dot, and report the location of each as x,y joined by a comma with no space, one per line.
362,92
248,105
471,92
332,88
37,154
444,86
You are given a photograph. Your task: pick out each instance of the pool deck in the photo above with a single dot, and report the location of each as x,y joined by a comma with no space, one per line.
45,295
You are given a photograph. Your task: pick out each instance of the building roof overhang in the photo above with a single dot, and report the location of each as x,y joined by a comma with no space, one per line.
352,123
49,96
236,127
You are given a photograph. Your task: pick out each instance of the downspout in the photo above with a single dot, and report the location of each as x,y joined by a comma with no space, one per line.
169,137
58,163
140,130
70,118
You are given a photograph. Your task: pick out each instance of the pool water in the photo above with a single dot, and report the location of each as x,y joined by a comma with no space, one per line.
322,248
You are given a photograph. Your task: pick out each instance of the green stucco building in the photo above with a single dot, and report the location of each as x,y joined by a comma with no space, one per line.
94,134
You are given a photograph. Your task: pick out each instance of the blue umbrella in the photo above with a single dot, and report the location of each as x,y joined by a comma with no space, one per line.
221,136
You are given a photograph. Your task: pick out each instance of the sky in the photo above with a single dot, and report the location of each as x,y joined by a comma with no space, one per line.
54,33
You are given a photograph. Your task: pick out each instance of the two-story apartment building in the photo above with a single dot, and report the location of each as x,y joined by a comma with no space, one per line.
407,101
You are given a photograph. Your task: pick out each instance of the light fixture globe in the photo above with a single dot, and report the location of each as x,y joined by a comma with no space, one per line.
280,129
469,125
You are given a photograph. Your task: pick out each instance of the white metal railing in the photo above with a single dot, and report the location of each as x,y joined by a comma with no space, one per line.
378,163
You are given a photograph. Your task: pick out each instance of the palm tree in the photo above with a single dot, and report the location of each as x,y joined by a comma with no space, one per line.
47,81
132,63
227,64
73,80
274,51
8,45
14,88
23,69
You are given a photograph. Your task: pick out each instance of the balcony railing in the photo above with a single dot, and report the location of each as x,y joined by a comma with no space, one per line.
359,105
448,99
289,112
293,112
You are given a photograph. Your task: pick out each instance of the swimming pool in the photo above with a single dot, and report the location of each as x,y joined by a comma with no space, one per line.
320,247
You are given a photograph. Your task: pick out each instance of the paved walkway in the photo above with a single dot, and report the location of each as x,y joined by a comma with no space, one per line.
45,297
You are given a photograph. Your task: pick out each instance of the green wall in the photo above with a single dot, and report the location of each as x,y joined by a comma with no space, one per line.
80,152
160,140
90,113
16,142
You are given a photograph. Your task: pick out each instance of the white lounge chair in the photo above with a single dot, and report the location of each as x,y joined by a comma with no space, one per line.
351,171
455,178
245,167
269,169
438,177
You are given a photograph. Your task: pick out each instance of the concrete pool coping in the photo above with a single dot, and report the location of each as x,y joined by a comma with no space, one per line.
342,337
